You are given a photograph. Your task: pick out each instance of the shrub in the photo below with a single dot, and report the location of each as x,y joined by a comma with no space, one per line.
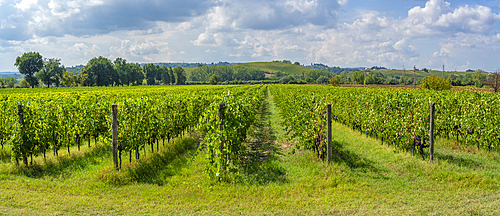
214,79
310,80
436,83
334,81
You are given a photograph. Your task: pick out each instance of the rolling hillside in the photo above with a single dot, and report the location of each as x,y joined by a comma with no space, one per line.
419,74
273,67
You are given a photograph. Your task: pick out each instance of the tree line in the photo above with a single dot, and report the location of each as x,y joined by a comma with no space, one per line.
225,74
99,71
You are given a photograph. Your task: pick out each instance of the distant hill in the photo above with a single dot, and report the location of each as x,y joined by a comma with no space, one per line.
418,74
276,66
273,67
9,74
75,69
190,65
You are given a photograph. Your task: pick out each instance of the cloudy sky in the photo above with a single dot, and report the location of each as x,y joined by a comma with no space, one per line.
348,33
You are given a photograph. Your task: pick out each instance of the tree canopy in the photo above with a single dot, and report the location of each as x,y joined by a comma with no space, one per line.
52,72
100,72
28,64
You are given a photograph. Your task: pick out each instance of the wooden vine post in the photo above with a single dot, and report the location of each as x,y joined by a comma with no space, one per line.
431,133
329,133
115,136
221,123
23,142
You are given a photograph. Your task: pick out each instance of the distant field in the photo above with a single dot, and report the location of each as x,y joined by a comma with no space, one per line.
418,74
274,67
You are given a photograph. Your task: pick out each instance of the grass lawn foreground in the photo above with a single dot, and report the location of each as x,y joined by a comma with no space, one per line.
365,178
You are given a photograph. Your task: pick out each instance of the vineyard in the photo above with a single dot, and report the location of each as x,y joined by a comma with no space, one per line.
398,117
53,120
255,149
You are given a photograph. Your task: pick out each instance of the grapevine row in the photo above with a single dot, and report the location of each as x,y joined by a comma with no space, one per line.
395,116
55,119
225,134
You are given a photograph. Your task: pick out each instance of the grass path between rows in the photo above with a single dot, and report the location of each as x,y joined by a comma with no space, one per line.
365,178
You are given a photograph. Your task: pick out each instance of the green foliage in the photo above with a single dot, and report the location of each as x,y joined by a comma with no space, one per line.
273,67
279,74
436,83
150,71
394,115
494,81
165,75
124,71
100,72
376,78
286,80
322,80
69,79
310,80
52,72
24,83
358,77
180,76
10,82
224,147
478,83
214,79
334,81
136,75
61,119
171,75
28,64
226,73
315,74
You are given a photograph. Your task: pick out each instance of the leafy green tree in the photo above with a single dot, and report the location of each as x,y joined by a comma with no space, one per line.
279,74
159,73
180,76
10,82
436,83
287,79
123,70
165,75
69,79
296,63
24,83
81,79
315,74
334,81
309,80
149,71
375,78
100,72
494,81
171,75
323,80
28,64
51,72
358,77
478,83
214,79
137,77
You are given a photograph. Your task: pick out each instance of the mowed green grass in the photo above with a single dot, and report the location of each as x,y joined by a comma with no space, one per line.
365,178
